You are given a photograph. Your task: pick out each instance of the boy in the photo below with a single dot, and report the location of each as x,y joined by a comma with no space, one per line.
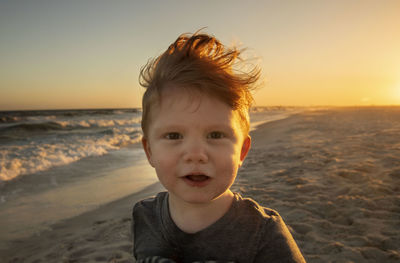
196,135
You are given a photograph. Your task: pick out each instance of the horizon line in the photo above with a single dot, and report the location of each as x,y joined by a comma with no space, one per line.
256,106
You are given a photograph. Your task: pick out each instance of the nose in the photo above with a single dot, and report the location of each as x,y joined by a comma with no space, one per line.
195,151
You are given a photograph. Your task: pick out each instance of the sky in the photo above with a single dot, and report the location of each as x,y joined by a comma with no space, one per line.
80,54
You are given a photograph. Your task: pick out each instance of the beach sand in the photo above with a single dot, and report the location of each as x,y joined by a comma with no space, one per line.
101,235
333,175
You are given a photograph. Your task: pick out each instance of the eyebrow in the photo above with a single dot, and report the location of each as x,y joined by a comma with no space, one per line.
221,127
169,127
176,127
166,128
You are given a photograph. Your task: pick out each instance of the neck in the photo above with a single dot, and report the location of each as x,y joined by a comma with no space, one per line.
194,217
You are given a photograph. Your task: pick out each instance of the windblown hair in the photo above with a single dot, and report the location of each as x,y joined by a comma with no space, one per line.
202,63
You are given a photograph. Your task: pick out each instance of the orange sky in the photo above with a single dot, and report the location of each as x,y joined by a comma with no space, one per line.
87,54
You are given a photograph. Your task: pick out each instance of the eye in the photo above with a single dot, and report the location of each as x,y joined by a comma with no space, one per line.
215,135
173,136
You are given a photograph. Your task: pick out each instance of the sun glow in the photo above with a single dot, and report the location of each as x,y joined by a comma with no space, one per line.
396,92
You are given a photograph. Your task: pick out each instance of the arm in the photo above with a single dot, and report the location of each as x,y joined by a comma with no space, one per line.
277,244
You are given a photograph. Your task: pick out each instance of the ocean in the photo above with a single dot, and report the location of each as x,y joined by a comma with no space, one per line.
56,164
33,141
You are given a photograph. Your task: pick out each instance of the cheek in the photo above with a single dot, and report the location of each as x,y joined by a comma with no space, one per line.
164,161
165,171
228,164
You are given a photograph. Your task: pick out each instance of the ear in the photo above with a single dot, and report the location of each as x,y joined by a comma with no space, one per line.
147,150
245,148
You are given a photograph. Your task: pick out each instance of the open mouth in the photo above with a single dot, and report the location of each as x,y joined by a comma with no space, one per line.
197,177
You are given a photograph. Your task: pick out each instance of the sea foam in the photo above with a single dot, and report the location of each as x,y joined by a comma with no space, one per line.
37,141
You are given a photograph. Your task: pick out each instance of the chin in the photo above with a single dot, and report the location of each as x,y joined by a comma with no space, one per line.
201,198
197,199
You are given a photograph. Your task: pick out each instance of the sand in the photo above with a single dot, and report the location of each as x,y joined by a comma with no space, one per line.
101,235
334,176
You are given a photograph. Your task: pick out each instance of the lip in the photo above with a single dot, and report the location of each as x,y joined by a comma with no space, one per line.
193,183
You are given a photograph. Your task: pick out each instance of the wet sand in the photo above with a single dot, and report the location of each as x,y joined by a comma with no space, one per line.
333,175
101,235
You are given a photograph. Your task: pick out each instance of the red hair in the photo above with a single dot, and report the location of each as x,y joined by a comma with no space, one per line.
201,62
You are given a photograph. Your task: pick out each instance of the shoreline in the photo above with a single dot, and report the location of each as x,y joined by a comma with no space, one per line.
33,203
76,231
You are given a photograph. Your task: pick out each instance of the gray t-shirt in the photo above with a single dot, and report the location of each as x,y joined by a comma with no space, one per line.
248,232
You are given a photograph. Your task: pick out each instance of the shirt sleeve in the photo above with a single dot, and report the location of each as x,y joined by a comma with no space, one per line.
277,244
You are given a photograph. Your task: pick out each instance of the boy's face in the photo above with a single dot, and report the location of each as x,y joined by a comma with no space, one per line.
196,145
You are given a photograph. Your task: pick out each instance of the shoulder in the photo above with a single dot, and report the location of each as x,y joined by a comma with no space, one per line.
149,205
267,221
275,240
253,209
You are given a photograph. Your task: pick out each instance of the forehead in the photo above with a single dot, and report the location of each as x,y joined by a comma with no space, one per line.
182,105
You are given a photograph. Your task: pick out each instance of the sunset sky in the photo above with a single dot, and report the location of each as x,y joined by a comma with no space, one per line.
88,53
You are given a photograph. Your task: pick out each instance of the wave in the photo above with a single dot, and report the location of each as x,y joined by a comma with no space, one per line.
67,125
10,119
73,113
19,116
31,158
33,141
45,126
